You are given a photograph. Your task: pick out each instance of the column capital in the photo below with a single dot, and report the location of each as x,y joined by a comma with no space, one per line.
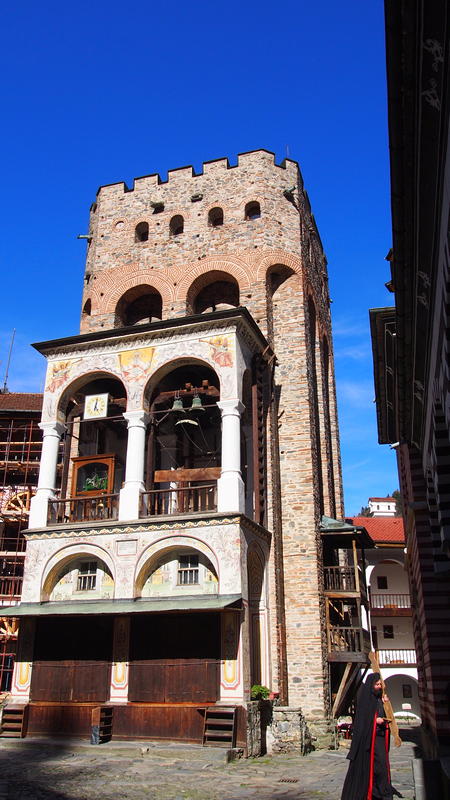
231,406
52,428
138,418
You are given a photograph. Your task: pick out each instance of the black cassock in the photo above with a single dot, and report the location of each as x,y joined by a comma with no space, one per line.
368,776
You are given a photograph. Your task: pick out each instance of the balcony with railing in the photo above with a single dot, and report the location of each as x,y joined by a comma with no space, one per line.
347,643
340,579
390,605
190,499
83,509
344,580
395,657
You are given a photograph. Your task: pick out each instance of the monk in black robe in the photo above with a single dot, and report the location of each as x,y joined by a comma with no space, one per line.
369,776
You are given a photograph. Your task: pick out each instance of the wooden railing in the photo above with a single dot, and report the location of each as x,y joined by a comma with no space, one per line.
390,600
180,500
83,509
340,579
10,585
391,657
345,639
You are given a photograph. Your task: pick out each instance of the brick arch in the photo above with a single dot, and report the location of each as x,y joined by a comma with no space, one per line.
114,284
278,257
235,267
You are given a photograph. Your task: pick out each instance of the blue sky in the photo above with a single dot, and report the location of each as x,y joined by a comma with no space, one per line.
98,92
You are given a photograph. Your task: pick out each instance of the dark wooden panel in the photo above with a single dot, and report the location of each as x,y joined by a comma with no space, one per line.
59,720
174,680
175,723
59,681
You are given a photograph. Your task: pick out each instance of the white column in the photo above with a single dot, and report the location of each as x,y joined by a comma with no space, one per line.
230,486
134,470
47,473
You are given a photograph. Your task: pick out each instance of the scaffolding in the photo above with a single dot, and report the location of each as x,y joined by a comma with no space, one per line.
20,453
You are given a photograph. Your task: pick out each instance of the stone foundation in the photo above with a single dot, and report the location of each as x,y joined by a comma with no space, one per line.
284,729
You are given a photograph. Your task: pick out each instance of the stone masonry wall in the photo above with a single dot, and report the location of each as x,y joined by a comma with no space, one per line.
285,240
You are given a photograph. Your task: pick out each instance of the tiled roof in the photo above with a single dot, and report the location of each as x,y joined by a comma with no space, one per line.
381,529
383,499
20,401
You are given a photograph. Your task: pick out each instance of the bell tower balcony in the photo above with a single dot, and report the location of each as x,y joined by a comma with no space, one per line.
164,418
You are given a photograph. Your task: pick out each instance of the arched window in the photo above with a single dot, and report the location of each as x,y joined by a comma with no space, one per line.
214,291
176,225
141,232
139,305
87,308
215,217
252,210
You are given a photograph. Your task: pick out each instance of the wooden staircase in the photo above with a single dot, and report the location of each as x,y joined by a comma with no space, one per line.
101,724
219,726
14,722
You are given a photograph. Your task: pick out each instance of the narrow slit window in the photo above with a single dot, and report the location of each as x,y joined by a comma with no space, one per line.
215,217
176,225
141,232
252,210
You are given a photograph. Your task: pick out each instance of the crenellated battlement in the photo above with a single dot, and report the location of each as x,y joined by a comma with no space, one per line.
187,175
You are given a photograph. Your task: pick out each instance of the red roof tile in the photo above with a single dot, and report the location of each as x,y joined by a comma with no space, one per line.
381,529
20,401
383,499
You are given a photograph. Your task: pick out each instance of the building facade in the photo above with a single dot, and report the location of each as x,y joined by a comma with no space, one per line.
180,542
391,628
382,506
410,340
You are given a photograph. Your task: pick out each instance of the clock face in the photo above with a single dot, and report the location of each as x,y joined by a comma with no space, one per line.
95,406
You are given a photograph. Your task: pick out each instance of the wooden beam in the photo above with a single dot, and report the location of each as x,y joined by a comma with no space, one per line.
177,475
340,691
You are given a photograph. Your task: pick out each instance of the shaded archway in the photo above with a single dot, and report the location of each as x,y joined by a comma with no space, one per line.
138,306
82,575
212,291
176,569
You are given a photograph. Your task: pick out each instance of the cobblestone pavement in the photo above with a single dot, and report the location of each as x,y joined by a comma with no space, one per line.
40,770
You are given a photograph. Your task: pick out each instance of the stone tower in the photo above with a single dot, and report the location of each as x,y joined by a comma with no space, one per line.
205,292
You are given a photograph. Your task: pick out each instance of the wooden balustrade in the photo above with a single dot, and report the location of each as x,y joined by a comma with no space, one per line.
389,600
83,509
391,657
345,639
340,579
179,500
